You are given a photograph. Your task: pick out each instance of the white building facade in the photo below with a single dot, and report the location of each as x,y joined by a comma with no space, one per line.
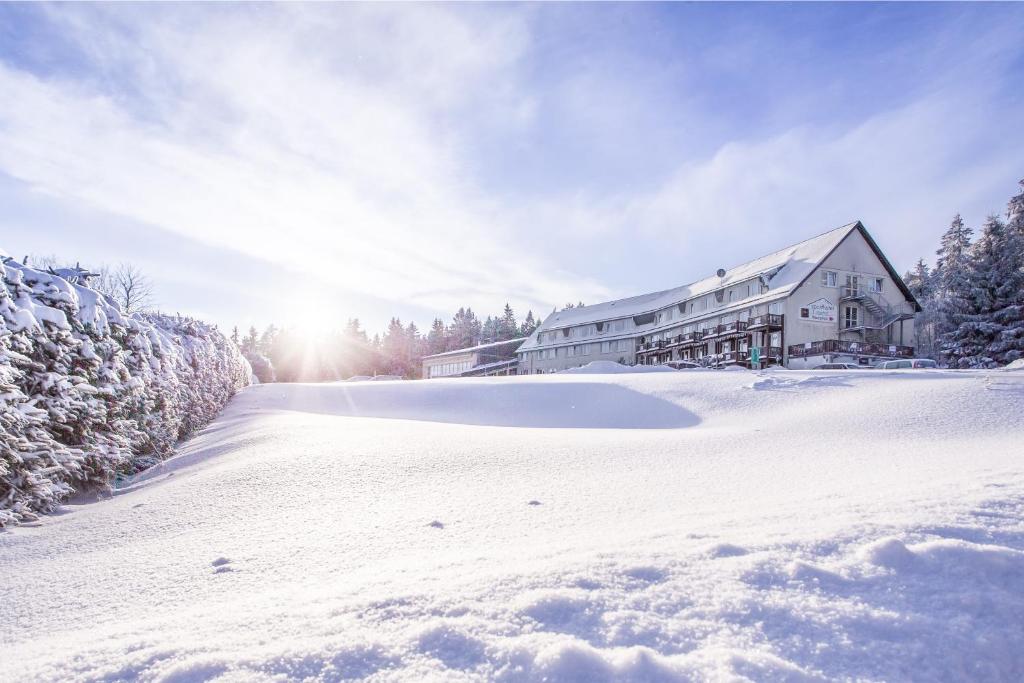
832,298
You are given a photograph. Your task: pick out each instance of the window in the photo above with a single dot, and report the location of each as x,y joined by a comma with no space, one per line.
829,278
805,313
850,317
732,295
876,284
748,289
704,304
852,285
775,308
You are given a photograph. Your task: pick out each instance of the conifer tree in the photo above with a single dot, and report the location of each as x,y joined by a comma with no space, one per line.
507,326
974,327
1009,345
436,337
528,326
950,277
921,283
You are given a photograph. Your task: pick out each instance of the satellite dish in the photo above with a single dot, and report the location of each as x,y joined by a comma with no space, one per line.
721,272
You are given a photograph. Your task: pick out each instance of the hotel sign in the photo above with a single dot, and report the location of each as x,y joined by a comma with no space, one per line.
820,311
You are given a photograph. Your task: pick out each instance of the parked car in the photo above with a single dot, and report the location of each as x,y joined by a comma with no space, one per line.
839,366
681,365
907,363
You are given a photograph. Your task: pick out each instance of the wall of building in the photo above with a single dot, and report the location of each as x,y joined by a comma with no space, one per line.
853,256
530,363
449,365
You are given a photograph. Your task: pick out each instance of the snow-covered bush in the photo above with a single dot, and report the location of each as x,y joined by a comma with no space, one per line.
87,393
262,368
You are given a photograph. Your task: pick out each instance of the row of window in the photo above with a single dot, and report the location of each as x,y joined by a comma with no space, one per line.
852,282
448,369
720,297
585,331
616,346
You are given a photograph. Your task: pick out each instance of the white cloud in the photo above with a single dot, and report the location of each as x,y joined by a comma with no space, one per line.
299,135
341,140
903,172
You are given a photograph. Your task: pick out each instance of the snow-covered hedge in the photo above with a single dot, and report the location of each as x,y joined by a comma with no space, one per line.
87,392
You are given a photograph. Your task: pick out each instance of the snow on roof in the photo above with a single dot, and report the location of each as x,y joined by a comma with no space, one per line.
478,347
785,269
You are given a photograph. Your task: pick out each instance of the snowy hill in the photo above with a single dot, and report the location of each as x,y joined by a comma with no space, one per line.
645,527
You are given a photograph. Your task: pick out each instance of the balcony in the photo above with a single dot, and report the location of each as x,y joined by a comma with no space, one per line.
736,327
651,346
690,338
710,332
854,348
769,321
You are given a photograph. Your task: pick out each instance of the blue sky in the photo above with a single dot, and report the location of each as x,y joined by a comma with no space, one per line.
309,163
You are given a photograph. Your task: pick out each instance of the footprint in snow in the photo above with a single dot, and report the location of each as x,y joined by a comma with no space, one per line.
220,565
534,502
436,524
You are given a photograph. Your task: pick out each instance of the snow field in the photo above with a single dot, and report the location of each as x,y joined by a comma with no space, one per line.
728,526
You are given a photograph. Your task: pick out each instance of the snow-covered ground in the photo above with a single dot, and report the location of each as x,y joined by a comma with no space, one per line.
651,527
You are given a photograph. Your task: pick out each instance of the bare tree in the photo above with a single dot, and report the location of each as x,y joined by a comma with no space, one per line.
124,283
128,286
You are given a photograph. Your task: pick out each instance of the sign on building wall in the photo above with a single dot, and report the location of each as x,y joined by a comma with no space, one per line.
820,311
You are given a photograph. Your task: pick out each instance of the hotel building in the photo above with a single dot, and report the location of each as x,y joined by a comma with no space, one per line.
831,298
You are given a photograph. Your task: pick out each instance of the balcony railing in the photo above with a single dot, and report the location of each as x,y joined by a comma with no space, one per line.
733,328
768,320
824,346
734,356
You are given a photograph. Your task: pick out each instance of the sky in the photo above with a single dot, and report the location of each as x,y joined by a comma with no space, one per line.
305,164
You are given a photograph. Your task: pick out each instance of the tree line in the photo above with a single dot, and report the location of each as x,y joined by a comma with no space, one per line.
288,355
973,295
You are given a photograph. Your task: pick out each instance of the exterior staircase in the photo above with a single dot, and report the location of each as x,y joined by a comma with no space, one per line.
879,313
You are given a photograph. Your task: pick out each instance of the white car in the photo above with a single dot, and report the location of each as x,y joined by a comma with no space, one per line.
681,365
907,364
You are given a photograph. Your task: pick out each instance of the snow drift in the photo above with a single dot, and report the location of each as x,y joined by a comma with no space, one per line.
86,392
610,367
863,527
